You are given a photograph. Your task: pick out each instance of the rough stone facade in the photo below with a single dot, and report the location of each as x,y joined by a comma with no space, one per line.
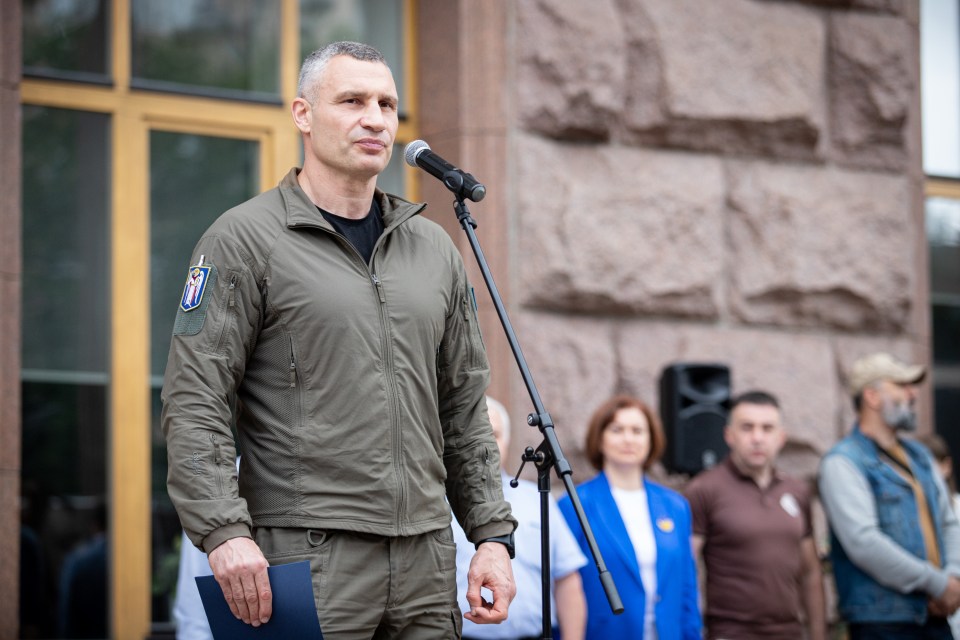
734,181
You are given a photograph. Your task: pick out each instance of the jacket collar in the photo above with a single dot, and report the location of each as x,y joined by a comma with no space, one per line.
301,212
871,451
775,475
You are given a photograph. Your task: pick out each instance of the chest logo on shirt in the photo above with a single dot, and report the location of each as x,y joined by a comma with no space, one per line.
665,524
197,277
790,505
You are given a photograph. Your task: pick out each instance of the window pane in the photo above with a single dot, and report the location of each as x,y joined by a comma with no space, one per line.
65,372
940,83
65,263
946,334
193,179
66,38
378,23
208,47
947,410
943,234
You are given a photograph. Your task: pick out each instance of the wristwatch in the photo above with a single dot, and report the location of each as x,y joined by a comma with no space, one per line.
506,541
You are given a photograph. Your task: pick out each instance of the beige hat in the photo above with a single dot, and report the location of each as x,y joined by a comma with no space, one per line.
882,366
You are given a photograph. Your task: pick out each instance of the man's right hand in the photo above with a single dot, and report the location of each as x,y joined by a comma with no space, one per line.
241,571
949,600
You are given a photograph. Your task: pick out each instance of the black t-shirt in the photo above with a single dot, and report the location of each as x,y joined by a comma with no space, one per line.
363,233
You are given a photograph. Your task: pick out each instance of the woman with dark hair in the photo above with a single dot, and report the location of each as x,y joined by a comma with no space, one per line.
642,529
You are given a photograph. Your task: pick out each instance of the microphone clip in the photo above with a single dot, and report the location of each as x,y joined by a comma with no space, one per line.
529,455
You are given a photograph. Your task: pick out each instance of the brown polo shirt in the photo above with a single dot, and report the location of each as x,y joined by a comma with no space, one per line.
751,552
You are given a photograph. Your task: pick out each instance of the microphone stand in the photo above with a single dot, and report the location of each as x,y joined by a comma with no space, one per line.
548,455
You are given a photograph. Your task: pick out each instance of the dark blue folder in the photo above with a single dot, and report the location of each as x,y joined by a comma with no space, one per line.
294,611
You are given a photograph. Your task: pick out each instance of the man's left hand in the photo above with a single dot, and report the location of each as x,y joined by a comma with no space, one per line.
490,568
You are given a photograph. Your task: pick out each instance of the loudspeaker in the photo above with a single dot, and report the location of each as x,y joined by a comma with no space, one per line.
694,404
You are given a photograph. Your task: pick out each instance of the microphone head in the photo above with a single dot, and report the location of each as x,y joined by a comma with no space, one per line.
412,150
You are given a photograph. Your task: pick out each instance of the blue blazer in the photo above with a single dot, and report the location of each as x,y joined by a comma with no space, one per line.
677,608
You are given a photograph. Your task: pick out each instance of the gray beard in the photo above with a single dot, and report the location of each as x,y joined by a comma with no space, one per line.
900,417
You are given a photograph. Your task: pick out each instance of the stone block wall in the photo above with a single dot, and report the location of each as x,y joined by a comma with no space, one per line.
731,181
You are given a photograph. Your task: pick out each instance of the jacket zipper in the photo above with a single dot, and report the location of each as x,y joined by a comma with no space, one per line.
388,367
232,292
293,366
216,463
379,286
394,396
297,409
231,295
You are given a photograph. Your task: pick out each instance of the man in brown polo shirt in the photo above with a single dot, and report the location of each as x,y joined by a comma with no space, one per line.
752,525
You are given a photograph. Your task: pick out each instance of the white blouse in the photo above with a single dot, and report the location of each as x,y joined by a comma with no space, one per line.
636,516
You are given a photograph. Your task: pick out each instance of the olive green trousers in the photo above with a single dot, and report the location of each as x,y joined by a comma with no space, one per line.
370,587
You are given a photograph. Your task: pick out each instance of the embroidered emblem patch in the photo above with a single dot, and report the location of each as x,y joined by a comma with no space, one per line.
196,284
665,524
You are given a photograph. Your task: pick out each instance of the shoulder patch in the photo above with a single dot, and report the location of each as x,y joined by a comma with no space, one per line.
192,311
197,277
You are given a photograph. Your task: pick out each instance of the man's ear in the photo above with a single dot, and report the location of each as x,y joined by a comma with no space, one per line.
300,110
783,438
870,396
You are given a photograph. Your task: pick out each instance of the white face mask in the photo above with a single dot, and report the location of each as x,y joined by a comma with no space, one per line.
899,416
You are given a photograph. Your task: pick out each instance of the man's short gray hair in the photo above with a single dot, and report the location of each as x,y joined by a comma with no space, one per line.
313,67
497,406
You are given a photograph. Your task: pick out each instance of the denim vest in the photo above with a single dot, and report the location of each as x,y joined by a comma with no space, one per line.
861,598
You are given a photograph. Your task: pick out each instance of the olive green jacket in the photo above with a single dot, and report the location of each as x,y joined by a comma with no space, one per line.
357,390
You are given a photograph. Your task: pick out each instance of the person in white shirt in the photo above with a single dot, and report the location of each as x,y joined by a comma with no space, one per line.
188,610
568,605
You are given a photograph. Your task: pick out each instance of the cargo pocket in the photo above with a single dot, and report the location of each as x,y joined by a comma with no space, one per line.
444,538
286,546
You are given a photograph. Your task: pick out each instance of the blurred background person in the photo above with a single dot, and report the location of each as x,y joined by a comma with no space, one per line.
894,539
941,454
752,524
83,583
642,530
568,605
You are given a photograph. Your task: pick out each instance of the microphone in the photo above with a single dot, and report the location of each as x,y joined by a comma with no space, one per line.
464,185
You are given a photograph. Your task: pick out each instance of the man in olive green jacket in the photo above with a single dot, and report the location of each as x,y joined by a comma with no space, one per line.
343,325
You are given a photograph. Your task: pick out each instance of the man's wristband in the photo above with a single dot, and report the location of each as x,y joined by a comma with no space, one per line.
506,541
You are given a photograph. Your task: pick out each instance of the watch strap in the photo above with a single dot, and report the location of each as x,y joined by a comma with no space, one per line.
506,540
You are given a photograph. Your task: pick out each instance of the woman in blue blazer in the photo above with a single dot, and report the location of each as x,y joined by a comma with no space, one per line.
642,529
